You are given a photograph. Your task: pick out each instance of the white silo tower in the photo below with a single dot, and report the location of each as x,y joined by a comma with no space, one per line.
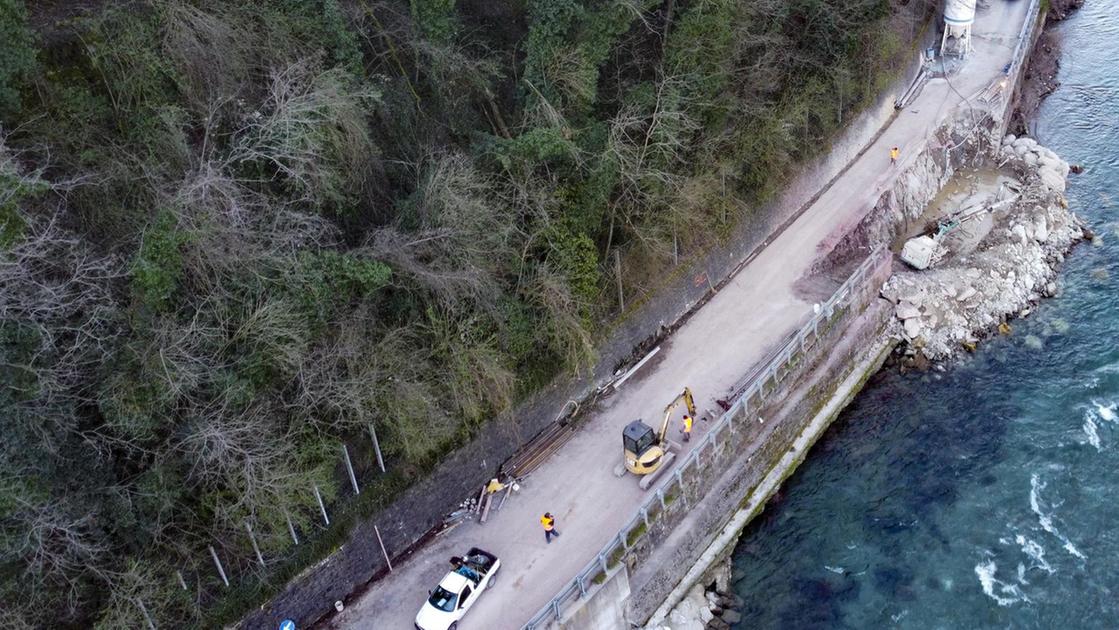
959,15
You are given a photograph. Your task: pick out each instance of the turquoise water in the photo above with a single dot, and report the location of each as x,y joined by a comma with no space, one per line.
986,496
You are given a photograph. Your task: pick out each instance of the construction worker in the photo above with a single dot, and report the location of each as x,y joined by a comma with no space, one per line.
549,523
894,153
687,428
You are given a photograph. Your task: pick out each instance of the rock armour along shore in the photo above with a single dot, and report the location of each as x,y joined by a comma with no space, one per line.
967,295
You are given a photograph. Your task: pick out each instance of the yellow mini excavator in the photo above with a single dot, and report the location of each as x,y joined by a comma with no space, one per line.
647,452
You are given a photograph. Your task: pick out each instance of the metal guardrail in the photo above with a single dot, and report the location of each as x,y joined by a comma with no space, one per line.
1024,36
774,370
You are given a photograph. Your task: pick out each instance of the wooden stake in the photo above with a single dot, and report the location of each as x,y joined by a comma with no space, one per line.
182,582
618,273
144,611
382,543
291,527
376,447
325,518
217,563
508,491
252,539
350,468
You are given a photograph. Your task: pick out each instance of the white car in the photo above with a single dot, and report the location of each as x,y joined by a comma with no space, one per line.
458,590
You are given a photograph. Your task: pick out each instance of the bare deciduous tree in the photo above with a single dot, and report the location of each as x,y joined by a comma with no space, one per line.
311,134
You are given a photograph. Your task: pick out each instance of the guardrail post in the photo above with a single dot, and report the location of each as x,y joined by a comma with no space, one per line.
582,587
555,609
645,516
660,495
622,540
602,562
680,482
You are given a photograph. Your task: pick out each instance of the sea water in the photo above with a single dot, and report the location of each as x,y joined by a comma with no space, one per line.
986,496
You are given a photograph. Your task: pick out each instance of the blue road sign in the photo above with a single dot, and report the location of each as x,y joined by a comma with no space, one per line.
287,624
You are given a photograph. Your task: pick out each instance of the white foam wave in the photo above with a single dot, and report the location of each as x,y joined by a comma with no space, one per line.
1046,520
1091,430
1110,368
839,570
1003,593
1105,412
1036,553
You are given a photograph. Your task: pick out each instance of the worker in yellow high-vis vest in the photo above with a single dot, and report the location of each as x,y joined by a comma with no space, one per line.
687,428
549,523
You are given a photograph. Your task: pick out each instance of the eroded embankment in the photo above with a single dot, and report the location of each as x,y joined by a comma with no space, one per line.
1000,242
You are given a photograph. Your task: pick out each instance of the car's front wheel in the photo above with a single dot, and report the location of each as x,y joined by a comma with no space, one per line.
453,626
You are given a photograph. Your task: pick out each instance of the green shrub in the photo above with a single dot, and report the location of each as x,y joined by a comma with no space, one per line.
17,54
325,280
434,18
158,267
574,254
15,188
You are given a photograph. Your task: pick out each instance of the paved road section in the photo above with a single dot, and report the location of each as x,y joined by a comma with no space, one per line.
715,348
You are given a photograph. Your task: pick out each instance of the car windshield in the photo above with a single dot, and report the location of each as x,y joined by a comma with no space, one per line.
443,599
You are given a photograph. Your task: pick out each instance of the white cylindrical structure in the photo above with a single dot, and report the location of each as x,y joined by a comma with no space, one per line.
959,15
959,12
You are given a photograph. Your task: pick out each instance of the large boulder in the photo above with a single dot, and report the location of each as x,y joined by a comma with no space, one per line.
907,310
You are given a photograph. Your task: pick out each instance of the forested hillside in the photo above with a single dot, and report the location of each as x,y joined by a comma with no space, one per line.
235,234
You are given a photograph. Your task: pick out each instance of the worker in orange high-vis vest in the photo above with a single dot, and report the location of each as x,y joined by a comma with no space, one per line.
549,523
894,153
687,428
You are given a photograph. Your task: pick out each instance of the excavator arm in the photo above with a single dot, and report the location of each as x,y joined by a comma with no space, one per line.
686,398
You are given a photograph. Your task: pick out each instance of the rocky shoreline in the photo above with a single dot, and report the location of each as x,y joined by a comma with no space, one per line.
998,269
704,609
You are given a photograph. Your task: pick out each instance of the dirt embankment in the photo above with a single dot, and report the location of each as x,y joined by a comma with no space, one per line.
1040,78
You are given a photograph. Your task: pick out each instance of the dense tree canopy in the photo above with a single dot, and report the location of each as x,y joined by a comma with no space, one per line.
235,234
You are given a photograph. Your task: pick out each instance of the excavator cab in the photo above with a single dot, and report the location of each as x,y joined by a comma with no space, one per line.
646,449
639,439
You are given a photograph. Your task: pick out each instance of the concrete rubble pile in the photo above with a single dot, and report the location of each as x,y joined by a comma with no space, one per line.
945,309
704,610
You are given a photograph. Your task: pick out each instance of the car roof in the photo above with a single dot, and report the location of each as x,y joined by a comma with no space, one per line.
453,582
